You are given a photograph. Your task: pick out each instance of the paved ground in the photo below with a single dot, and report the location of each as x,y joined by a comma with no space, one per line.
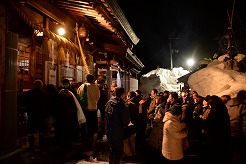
54,154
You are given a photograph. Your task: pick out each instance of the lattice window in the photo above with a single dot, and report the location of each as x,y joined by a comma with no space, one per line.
23,59
38,57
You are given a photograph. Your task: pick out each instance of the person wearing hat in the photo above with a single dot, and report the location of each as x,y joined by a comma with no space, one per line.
174,134
35,107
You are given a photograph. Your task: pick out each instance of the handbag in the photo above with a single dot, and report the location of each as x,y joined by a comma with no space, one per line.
84,98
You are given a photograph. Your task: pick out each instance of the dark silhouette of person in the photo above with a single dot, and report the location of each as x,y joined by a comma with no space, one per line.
118,118
35,101
66,126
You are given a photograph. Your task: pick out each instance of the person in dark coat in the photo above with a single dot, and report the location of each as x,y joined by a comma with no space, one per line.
51,97
66,126
101,104
195,129
237,112
36,108
132,104
142,125
217,133
118,118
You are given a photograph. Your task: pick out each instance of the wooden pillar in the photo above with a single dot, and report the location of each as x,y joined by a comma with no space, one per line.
128,82
91,65
45,56
109,78
125,80
8,84
2,69
9,111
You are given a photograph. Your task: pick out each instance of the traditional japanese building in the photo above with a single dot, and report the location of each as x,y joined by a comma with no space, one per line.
98,40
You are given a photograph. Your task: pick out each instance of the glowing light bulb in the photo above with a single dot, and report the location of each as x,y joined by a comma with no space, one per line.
61,31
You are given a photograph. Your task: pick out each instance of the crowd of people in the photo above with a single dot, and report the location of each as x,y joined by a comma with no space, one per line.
169,122
216,125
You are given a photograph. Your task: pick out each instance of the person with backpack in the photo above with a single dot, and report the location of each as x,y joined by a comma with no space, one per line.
90,111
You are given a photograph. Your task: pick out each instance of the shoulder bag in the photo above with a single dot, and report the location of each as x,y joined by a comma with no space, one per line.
84,98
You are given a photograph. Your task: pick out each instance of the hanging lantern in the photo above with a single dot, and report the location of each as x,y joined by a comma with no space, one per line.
82,32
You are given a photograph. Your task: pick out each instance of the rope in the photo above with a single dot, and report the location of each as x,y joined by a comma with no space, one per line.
81,51
60,40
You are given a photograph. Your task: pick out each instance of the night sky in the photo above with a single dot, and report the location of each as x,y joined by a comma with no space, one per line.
195,25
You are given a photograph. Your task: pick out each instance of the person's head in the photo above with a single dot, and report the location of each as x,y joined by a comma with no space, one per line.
215,101
184,93
241,95
101,80
205,100
153,92
176,110
166,93
105,86
194,94
159,99
225,98
38,84
90,78
138,92
120,92
131,94
198,99
66,83
50,88
173,95
74,86
113,85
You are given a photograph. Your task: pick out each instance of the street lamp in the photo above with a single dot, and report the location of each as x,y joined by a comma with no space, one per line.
190,62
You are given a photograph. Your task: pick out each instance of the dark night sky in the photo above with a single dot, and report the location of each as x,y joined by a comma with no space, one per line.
196,24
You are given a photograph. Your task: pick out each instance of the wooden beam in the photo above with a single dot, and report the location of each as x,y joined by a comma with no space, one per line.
52,12
114,49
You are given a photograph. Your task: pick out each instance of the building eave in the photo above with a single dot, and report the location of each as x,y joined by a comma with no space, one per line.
114,6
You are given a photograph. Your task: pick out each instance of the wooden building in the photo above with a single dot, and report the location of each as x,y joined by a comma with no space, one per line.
98,40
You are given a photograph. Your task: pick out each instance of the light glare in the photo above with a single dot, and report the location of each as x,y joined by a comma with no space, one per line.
61,31
190,62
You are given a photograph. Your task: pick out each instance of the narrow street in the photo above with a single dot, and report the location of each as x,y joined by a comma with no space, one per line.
54,154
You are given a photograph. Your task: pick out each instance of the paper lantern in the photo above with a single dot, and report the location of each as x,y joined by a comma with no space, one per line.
82,32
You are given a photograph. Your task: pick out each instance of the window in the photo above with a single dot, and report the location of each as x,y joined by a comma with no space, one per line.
23,59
